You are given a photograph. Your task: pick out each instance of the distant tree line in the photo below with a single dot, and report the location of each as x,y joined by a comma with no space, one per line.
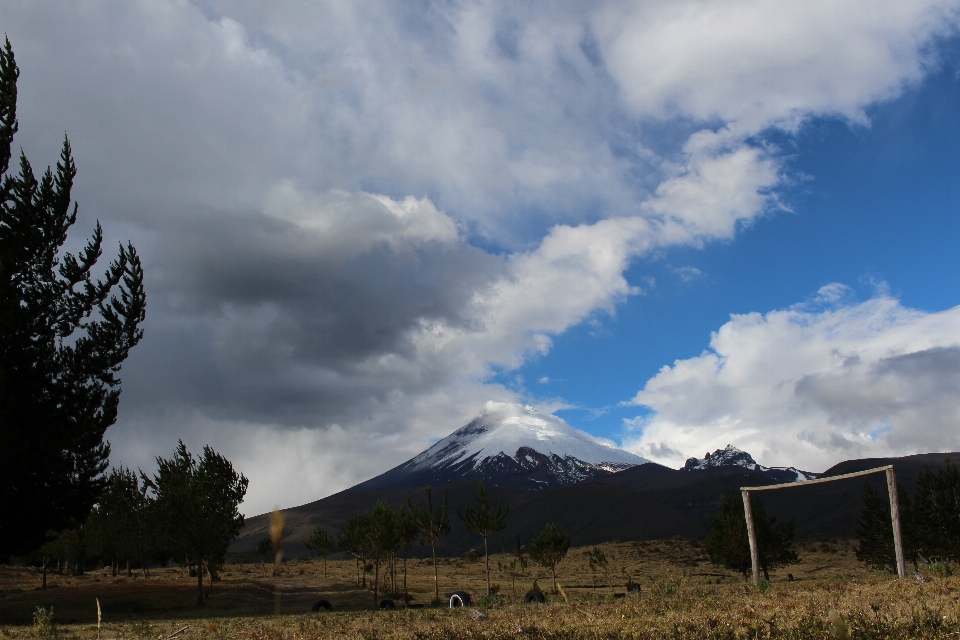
188,512
929,521
380,540
929,525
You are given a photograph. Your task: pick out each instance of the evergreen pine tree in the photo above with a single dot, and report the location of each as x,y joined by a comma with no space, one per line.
355,540
382,532
63,337
936,512
407,532
433,524
484,520
549,547
729,546
875,530
197,501
119,526
322,544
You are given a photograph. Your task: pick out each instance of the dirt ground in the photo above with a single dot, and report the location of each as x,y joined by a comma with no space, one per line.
248,596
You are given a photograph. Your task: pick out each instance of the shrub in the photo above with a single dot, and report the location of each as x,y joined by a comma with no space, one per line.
489,602
43,623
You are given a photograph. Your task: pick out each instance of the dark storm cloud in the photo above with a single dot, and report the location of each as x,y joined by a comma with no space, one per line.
280,315
938,367
888,386
216,136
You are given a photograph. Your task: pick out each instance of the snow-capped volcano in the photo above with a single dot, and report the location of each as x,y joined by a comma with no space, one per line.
510,445
730,456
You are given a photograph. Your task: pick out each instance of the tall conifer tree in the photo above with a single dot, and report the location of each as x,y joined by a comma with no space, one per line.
434,524
64,334
484,519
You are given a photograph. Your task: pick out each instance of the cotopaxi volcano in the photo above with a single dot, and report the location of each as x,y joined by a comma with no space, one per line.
510,445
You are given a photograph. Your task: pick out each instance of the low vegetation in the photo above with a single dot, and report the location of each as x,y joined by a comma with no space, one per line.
681,595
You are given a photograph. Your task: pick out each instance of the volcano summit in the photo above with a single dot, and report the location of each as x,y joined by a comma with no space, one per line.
510,445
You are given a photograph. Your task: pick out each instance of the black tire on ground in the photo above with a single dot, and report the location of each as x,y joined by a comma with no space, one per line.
322,605
387,604
533,596
459,599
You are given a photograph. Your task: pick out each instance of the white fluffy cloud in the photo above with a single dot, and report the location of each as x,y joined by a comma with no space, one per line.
756,63
810,388
352,212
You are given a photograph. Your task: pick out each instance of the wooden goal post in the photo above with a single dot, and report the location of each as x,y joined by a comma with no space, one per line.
894,513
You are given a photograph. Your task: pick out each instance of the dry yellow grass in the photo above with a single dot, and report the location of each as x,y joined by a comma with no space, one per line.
682,596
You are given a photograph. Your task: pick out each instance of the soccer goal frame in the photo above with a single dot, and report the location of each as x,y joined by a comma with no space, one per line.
894,513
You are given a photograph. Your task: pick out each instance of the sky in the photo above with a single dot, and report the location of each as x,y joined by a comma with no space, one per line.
677,225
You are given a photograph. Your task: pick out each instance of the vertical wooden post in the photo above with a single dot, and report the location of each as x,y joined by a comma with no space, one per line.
752,535
895,519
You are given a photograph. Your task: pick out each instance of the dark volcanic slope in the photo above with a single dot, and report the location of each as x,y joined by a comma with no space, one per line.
644,502
527,469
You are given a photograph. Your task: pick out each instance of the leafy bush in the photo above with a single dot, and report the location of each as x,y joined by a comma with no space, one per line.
763,586
489,602
43,623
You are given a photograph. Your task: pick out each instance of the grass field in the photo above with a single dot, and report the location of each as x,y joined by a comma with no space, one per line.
682,596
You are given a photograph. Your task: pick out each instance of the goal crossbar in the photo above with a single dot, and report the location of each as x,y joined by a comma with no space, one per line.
894,513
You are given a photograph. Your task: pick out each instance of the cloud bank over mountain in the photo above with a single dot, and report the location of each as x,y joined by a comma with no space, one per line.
806,385
353,214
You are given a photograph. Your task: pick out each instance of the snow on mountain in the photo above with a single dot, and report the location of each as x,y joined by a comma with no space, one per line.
507,428
730,456
511,445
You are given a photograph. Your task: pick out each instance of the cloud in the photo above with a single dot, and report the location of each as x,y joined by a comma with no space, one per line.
688,273
755,64
811,388
352,214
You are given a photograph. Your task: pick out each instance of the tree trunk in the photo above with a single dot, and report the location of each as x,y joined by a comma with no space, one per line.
199,580
376,580
406,595
43,586
324,566
486,556
436,576
129,572
553,570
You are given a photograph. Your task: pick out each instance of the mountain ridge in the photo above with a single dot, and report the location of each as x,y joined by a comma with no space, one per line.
644,502
509,445
731,456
